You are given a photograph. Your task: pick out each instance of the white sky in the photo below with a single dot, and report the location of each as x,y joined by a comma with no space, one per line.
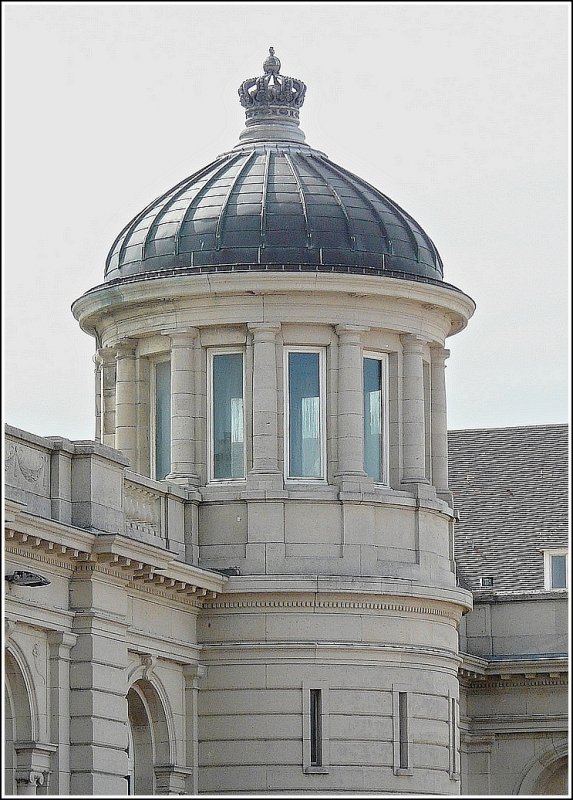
459,112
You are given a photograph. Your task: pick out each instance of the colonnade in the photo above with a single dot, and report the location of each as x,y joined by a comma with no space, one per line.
116,400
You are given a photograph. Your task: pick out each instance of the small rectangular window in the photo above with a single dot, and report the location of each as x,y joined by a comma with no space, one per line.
305,414
486,581
454,745
315,728
227,428
375,418
558,572
162,419
556,569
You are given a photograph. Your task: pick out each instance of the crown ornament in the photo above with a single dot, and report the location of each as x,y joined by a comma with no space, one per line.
272,94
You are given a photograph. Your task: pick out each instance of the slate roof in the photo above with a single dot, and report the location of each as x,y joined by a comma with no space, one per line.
510,488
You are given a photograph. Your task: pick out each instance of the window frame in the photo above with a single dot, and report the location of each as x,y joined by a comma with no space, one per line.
322,403
161,358
547,568
385,411
211,353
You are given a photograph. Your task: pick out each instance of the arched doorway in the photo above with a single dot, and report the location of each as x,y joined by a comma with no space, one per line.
547,773
148,737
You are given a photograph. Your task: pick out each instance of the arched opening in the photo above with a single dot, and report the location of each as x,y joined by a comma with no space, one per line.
553,779
18,724
9,752
148,737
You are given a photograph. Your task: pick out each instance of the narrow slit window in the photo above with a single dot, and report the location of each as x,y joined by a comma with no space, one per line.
162,419
375,418
305,405
403,730
227,417
315,710
454,736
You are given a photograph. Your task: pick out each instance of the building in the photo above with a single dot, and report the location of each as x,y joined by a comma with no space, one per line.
252,577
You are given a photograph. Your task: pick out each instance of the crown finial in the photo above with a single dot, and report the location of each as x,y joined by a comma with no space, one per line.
271,65
271,103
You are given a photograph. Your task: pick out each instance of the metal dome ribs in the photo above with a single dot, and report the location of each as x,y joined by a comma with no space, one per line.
272,205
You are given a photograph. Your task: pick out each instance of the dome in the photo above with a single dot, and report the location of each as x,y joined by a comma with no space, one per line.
273,203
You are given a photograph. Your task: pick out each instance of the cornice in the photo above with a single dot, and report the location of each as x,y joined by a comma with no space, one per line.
481,673
113,555
358,605
433,299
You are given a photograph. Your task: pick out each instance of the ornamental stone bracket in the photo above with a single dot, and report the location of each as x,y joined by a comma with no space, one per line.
172,779
33,766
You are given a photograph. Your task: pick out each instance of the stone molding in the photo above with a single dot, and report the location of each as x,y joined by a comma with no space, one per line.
345,604
116,556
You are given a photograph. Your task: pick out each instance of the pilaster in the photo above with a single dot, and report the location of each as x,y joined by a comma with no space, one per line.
193,675
59,644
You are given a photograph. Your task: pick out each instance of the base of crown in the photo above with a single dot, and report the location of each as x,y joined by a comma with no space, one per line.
272,125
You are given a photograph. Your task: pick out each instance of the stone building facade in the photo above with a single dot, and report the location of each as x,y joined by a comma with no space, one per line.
252,576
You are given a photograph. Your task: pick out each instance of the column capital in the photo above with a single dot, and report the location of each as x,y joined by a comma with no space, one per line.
182,337
194,674
263,331
126,348
438,351
105,355
345,328
61,639
412,343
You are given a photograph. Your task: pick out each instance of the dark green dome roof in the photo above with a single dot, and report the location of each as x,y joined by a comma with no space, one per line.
273,203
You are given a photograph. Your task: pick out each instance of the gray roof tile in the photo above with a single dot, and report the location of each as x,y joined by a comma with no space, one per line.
510,488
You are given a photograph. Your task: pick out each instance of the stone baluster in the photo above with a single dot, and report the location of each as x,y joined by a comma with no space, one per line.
183,460
126,402
350,405
413,423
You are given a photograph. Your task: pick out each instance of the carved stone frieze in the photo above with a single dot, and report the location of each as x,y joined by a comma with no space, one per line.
26,468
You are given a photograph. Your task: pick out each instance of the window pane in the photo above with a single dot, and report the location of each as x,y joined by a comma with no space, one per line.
373,459
162,419
228,428
305,451
558,572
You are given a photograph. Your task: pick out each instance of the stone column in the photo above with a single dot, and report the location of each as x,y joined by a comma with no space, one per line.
439,425
97,395
59,671
413,426
108,369
193,675
350,404
183,466
265,429
126,402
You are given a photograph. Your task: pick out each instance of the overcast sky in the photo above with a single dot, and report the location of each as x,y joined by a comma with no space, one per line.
458,112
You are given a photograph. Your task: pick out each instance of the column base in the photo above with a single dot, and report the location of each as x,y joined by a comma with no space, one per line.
265,480
183,479
420,488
